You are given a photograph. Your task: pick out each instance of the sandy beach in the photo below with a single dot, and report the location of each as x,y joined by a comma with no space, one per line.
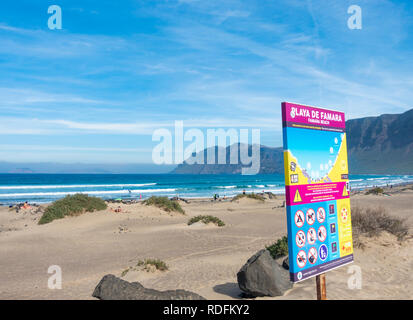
201,258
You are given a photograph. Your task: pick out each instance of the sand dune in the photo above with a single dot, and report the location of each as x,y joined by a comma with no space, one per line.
202,259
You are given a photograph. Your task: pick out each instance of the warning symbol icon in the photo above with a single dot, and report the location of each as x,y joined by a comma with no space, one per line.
301,259
297,197
299,218
345,192
311,236
300,239
310,216
312,255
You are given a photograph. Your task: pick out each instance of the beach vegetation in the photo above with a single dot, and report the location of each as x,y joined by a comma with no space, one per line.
279,248
206,220
148,265
72,205
248,195
372,221
376,191
164,203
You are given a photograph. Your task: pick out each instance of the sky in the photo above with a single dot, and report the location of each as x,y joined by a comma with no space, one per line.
95,90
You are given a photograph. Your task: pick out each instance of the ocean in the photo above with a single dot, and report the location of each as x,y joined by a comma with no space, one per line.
43,188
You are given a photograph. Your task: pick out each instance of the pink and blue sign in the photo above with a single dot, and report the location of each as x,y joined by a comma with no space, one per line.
317,190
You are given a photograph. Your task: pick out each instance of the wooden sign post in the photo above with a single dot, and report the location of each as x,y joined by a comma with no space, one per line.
321,287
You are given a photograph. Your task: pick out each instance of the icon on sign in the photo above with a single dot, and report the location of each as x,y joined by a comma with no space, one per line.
297,197
322,233
312,255
333,228
299,218
299,275
294,178
346,248
293,166
310,216
334,247
323,252
300,239
311,236
301,259
345,192
344,214
331,207
321,214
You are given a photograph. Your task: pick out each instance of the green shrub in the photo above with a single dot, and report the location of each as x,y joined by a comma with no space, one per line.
375,191
148,265
248,195
72,205
206,220
164,203
156,263
279,248
372,222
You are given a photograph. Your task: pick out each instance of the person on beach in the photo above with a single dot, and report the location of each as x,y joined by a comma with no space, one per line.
26,205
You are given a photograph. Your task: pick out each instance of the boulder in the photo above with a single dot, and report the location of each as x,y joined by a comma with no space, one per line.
113,288
263,276
286,263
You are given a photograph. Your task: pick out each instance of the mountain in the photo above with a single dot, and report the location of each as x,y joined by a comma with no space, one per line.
382,145
271,161
376,145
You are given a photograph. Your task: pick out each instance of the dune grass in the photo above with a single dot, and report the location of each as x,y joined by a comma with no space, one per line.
371,222
72,205
279,248
375,191
206,220
148,265
248,195
164,203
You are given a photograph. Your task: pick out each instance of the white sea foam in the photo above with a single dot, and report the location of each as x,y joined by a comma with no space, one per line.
68,186
226,187
85,192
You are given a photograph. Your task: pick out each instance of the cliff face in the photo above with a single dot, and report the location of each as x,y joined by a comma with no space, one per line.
382,145
271,161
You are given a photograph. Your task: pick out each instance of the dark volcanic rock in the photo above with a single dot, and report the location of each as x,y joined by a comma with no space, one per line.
286,264
263,276
113,288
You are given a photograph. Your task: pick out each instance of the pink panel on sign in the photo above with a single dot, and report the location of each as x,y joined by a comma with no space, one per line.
312,116
309,193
